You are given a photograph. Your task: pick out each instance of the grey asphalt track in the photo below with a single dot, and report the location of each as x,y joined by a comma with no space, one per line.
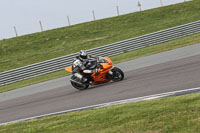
169,75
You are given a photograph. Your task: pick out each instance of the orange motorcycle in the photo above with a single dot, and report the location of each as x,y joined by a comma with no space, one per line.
104,72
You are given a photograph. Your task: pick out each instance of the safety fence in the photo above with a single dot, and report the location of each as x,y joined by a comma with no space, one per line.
60,63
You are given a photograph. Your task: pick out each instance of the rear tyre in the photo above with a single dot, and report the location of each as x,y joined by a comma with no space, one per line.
117,75
78,86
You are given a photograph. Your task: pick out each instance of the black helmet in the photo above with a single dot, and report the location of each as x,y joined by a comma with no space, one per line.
83,55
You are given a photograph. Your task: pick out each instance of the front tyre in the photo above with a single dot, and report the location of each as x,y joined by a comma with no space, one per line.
117,74
78,85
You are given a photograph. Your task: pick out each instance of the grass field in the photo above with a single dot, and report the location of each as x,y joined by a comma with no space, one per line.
29,49
173,114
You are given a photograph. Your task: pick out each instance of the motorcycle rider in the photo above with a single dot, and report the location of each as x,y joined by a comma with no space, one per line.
81,63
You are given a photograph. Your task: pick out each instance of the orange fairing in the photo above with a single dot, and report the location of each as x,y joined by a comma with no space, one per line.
109,60
69,69
106,66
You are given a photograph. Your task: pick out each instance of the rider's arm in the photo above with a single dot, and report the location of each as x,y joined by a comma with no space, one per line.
77,66
93,57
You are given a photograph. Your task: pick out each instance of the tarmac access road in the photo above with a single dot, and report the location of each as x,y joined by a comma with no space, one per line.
178,72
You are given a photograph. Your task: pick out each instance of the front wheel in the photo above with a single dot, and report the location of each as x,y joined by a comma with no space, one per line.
117,75
78,86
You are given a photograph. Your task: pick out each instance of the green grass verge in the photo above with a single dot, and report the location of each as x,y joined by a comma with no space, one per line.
172,114
29,49
185,41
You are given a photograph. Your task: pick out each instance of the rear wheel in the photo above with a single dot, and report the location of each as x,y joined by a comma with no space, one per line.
117,75
78,86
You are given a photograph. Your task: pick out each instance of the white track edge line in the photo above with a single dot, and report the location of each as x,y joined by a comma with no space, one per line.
150,97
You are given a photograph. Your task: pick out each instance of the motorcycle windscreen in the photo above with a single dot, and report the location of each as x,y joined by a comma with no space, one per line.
69,69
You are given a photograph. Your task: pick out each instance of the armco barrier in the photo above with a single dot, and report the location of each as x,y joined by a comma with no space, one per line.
60,63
